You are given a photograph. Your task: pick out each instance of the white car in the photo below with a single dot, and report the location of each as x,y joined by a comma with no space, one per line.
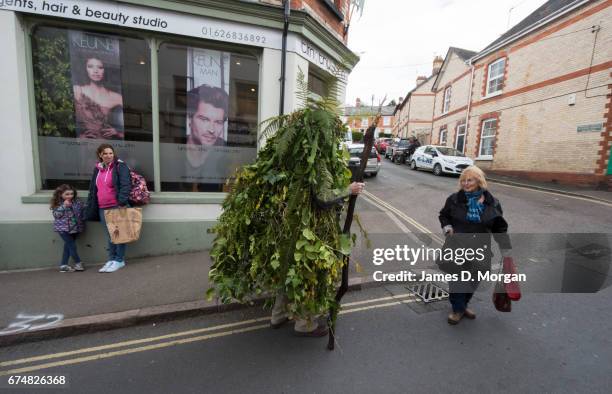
373,165
440,160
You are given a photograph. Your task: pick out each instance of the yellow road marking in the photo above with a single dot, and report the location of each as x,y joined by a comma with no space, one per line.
403,216
162,345
170,336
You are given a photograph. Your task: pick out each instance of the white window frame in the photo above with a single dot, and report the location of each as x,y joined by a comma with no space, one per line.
482,138
443,132
446,99
463,134
364,122
490,78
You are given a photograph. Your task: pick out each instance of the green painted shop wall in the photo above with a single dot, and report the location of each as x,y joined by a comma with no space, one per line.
34,244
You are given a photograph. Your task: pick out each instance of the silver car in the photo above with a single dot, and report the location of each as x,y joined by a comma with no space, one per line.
373,165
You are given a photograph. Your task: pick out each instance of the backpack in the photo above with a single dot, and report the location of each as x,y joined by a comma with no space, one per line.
139,192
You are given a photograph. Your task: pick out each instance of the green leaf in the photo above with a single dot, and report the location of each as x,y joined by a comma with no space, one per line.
275,264
308,234
345,245
300,244
210,293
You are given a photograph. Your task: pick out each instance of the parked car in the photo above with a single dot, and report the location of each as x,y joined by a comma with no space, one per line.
440,160
373,165
397,150
382,143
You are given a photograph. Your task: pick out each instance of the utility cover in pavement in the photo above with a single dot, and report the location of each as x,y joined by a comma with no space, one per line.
428,292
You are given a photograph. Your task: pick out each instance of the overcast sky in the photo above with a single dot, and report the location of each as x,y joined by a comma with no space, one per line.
398,39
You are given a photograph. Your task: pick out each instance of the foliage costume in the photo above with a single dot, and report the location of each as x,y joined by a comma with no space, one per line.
279,232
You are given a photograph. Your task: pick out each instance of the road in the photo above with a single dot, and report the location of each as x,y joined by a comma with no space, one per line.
388,340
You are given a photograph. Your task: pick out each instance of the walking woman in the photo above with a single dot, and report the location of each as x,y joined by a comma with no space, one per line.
109,189
469,219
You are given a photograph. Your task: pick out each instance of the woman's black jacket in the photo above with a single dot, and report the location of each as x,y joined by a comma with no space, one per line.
122,183
475,235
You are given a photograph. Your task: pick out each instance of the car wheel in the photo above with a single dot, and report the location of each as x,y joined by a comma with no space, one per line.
374,174
437,170
413,165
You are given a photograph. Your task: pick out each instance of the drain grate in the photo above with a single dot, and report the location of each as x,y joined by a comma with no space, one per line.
428,292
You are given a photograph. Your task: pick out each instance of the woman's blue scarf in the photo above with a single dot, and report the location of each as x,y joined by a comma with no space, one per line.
475,208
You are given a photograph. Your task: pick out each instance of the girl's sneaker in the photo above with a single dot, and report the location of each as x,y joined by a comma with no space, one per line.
115,266
106,266
79,267
66,268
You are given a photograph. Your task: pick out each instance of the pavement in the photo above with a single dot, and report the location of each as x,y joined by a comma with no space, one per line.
40,304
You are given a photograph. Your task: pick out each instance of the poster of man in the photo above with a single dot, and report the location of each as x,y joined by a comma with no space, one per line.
96,79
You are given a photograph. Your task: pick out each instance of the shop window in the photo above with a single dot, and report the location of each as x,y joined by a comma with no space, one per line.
317,86
487,138
90,88
208,103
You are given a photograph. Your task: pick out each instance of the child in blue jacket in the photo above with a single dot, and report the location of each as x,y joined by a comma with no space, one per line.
68,214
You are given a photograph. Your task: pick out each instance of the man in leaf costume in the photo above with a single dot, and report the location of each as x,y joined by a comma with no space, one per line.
279,232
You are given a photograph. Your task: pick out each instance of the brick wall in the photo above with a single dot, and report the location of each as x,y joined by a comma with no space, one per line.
321,12
539,129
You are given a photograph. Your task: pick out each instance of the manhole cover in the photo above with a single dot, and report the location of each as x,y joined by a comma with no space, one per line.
428,292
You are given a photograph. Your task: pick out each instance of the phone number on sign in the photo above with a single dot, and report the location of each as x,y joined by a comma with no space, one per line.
35,380
233,35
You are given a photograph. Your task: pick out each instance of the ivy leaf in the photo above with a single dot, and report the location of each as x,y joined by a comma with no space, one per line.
275,264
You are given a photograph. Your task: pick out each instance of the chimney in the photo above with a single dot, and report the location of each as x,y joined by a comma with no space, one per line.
401,100
437,65
421,79
358,102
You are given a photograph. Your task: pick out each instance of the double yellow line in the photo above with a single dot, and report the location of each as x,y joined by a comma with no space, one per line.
417,225
179,338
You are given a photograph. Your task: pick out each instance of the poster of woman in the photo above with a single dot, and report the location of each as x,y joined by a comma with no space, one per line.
96,79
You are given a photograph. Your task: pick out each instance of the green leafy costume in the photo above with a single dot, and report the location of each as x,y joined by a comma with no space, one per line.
277,232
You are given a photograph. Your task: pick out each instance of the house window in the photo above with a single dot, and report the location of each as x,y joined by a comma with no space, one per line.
495,76
364,122
487,138
447,99
442,136
460,143
386,121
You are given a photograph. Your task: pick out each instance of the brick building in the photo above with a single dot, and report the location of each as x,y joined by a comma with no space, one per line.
452,95
414,114
360,117
541,96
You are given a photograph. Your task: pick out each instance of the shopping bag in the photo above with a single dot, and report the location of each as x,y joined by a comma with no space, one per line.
123,224
502,302
512,289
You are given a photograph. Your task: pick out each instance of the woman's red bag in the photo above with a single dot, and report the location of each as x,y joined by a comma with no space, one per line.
512,289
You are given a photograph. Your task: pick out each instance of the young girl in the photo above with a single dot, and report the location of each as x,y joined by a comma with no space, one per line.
68,213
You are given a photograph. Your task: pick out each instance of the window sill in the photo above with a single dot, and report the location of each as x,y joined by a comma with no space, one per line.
484,158
491,95
156,198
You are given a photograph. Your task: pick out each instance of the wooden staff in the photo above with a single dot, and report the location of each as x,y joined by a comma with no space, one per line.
368,142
